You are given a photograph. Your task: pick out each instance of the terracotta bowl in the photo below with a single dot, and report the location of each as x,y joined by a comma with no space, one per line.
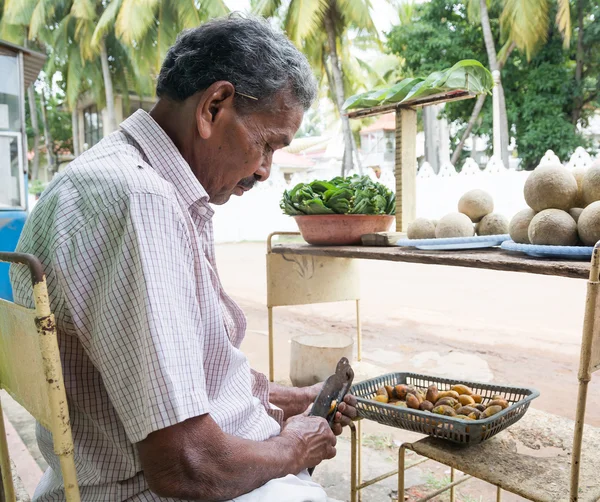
341,229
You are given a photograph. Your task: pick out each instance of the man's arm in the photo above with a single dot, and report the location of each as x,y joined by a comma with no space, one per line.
196,460
294,400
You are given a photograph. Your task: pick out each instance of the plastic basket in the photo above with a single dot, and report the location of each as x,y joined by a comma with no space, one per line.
453,429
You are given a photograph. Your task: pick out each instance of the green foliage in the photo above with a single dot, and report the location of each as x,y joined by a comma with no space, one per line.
59,121
353,195
36,187
539,94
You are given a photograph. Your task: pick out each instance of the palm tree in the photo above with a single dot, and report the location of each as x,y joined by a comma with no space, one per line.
524,25
322,29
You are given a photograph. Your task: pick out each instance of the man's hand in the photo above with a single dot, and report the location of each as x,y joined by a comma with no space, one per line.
345,413
313,439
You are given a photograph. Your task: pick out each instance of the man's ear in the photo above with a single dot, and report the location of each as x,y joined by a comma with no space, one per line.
215,102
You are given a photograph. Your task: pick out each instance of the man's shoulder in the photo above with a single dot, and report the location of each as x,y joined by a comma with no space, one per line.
114,170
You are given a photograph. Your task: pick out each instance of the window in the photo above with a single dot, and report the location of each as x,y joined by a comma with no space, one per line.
10,113
92,126
11,170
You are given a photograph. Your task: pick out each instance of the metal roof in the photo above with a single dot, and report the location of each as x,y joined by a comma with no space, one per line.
33,61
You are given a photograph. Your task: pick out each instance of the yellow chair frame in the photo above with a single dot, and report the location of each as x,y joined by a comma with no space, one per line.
30,371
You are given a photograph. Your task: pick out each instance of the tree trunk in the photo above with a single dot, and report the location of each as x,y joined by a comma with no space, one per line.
47,137
578,101
35,167
490,47
108,89
474,116
75,129
338,90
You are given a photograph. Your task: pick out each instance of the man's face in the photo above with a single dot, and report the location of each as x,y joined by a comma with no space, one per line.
239,150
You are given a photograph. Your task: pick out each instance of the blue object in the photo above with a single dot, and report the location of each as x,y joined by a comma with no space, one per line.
11,225
563,252
455,243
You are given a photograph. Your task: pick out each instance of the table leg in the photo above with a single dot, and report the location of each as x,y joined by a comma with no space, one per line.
359,464
452,488
401,467
498,494
353,463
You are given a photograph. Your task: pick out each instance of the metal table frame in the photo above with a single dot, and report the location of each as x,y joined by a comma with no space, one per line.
284,265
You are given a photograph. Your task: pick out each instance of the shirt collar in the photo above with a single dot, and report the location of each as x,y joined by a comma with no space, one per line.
164,157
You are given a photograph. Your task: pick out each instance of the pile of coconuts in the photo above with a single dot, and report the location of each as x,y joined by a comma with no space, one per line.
564,207
475,216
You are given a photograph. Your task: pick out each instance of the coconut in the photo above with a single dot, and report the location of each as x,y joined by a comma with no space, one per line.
591,184
578,173
519,226
575,213
421,228
553,227
588,225
476,204
454,225
551,186
493,224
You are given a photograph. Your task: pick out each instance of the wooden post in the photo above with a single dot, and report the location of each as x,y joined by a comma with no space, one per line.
406,167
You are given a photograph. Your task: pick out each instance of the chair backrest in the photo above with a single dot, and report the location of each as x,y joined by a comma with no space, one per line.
30,371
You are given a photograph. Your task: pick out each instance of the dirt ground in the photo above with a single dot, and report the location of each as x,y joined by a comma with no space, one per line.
483,325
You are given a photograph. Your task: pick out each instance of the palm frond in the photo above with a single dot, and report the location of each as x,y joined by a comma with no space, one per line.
75,76
135,18
563,21
357,13
525,22
302,19
213,8
187,14
266,8
84,9
106,22
18,12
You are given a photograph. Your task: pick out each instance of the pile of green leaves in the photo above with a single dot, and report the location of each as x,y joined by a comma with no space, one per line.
353,195
467,75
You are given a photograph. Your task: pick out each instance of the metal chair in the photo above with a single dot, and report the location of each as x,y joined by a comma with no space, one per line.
30,371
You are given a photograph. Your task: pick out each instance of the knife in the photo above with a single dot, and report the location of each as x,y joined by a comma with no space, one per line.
332,394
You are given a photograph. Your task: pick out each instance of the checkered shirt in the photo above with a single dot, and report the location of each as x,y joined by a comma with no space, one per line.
148,338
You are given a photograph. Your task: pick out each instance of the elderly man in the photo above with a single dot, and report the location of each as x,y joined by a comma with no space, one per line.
163,404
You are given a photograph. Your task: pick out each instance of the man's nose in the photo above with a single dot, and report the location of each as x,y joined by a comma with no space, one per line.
264,171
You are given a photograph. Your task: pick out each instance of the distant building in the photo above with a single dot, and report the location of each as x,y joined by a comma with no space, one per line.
93,123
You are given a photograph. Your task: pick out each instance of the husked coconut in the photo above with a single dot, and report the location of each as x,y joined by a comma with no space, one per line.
454,225
575,213
588,225
493,224
476,204
578,173
591,184
553,227
421,228
519,226
550,186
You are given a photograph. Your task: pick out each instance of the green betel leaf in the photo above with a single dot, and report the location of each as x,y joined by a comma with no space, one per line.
431,85
398,92
470,75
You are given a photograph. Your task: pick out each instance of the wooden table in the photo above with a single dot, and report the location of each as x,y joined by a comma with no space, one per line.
492,259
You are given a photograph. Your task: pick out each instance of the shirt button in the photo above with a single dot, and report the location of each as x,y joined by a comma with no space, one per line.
201,211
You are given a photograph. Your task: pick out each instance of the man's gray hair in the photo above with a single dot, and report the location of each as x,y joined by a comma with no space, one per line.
246,51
